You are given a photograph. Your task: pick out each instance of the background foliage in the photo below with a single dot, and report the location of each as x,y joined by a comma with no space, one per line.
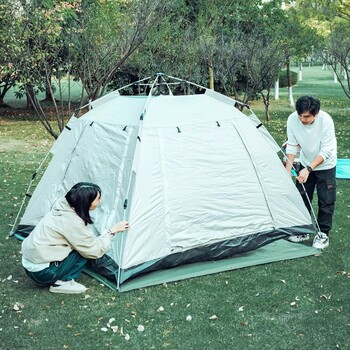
296,304
235,47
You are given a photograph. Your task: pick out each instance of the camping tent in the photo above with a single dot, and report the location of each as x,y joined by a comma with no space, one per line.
197,179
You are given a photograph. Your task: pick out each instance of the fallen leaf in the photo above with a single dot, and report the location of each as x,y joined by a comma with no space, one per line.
140,328
104,329
214,317
127,337
160,309
189,318
241,308
18,306
283,281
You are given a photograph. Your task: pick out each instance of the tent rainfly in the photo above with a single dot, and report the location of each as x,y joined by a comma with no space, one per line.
197,179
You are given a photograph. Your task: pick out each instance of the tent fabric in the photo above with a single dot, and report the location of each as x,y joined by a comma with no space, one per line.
277,251
196,178
343,169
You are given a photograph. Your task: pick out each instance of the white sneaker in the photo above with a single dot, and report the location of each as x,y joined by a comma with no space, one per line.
321,241
67,287
299,238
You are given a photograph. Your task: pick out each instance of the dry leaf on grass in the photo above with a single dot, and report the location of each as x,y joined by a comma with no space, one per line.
17,307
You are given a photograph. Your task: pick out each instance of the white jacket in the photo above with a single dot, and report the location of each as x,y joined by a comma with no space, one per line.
58,233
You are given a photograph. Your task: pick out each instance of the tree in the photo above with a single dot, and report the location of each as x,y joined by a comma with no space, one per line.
88,38
296,40
168,48
10,46
110,32
332,20
43,54
339,48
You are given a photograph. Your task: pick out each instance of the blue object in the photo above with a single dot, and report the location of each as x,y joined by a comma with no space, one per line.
343,169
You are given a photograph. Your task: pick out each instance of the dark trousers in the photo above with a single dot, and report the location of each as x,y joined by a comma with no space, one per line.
325,184
65,270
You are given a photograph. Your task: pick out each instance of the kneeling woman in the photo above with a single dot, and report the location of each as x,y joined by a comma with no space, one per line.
56,251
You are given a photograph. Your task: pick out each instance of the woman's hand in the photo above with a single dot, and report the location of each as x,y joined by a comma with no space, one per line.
119,227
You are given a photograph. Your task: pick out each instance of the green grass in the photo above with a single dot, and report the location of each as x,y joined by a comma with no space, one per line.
294,304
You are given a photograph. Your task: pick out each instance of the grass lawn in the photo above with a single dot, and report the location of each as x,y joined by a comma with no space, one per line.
295,304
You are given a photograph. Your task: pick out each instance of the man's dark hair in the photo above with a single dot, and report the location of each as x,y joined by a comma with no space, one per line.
80,197
308,104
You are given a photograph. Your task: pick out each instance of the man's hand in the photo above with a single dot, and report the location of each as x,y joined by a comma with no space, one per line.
303,175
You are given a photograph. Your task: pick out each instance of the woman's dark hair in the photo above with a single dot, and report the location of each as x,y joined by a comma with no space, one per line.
308,104
80,197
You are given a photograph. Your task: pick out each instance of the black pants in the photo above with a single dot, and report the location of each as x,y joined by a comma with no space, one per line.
325,184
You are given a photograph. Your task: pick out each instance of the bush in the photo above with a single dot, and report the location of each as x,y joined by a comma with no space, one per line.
283,78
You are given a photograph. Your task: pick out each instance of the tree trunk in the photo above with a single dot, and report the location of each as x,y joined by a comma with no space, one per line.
30,97
291,99
300,71
47,92
211,77
267,104
277,89
4,90
290,90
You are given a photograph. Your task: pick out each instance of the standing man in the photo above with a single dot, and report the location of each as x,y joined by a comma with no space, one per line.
311,131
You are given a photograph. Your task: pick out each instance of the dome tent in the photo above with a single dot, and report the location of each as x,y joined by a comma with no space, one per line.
197,179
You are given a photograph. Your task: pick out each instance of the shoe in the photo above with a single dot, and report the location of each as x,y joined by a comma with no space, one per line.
67,287
299,238
321,241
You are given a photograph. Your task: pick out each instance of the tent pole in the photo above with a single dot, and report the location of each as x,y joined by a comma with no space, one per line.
131,182
27,194
135,82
